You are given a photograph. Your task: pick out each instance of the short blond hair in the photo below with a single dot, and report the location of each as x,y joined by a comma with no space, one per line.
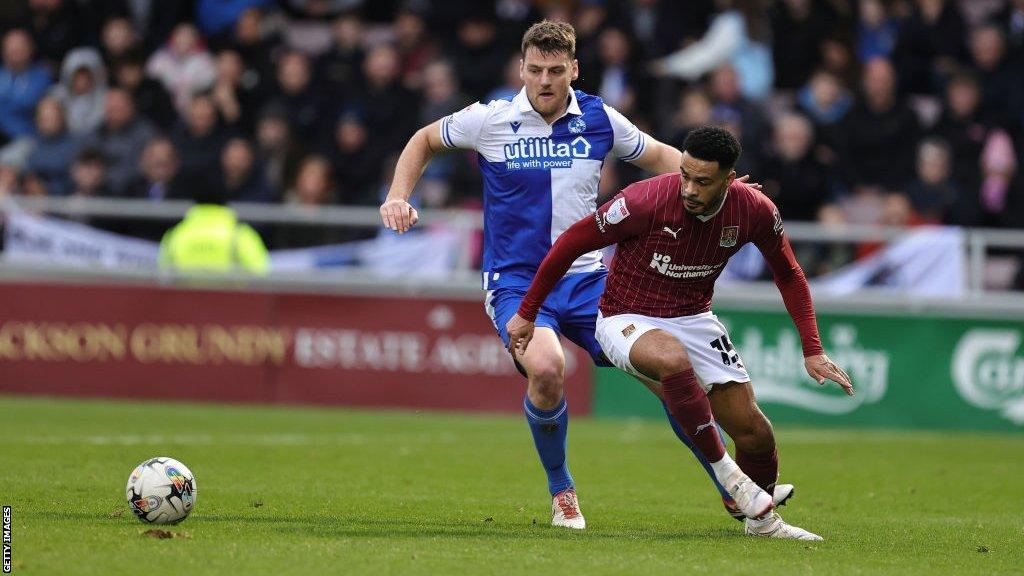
551,37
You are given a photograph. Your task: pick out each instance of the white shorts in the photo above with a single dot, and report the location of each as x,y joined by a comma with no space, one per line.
705,339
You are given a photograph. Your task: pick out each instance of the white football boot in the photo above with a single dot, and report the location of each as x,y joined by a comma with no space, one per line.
773,526
752,501
565,510
780,495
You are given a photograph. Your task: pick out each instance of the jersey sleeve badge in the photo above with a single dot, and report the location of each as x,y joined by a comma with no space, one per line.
617,212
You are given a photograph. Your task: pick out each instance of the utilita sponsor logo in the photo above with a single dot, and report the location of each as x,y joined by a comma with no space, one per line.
779,375
541,153
988,371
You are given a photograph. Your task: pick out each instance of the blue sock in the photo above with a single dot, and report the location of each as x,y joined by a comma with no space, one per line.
700,457
550,428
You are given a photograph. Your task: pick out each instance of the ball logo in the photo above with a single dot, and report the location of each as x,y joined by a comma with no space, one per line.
989,374
136,474
176,478
577,125
147,504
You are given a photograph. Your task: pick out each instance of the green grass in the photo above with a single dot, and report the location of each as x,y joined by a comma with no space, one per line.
312,491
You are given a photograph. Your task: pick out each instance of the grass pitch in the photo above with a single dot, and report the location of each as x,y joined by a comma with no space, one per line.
314,491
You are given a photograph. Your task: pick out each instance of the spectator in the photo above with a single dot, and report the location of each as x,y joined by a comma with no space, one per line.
1013,17
340,67
54,149
118,40
313,185
617,85
799,27
211,239
826,102
477,54
82,90
878,134
931,43
512,83
298,95
242,179
323,8
198,138
793,177
312,188
694,110
278,151
235,93
121,139
159,173
183,66
23,84
256,46
877,31
736,36
933,195
440,92
215,17
416,47
354,167
152,100
1001,81
390,109
725,93
962,126
56,27
89,174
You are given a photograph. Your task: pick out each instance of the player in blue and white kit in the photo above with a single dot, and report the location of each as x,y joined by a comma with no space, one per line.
540,155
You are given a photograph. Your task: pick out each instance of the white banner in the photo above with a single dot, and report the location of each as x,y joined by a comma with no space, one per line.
929,261
31,238
428,253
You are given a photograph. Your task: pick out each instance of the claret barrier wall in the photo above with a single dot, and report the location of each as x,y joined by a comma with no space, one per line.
934,368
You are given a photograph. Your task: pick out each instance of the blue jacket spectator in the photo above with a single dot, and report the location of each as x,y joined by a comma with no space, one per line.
54,149
22,85
216,16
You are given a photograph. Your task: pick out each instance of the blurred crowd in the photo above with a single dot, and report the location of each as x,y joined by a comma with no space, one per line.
864,111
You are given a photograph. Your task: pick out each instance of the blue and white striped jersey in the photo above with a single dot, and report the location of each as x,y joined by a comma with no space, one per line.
539,179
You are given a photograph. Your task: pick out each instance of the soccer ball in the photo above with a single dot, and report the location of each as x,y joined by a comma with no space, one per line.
161,490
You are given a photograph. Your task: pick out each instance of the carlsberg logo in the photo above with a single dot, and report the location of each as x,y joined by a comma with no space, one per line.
988,371
779,376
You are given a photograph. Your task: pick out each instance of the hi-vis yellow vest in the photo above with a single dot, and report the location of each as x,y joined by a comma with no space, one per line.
210,238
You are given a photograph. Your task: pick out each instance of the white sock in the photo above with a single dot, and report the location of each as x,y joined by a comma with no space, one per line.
724,468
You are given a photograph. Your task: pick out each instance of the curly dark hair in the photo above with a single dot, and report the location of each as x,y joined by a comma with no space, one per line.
713,144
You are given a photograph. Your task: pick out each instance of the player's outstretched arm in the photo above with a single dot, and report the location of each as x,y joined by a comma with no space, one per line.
582,237
821,367
396,212
659,158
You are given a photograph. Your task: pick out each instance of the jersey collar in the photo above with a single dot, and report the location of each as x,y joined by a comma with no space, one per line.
706,217
521,104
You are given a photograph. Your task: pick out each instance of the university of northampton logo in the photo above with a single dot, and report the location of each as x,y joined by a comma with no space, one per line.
729,236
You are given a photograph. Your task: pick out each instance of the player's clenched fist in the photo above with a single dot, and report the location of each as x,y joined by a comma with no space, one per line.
520,332
398,215
821,367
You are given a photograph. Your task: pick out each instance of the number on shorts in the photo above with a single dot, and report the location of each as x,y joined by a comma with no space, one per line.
729,355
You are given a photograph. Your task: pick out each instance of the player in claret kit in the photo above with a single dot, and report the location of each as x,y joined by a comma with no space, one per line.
674,234
540,155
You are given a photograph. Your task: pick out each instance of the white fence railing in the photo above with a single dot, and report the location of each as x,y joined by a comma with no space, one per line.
978,242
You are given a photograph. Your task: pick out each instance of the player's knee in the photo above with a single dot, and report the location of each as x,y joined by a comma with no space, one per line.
674,361
546,384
